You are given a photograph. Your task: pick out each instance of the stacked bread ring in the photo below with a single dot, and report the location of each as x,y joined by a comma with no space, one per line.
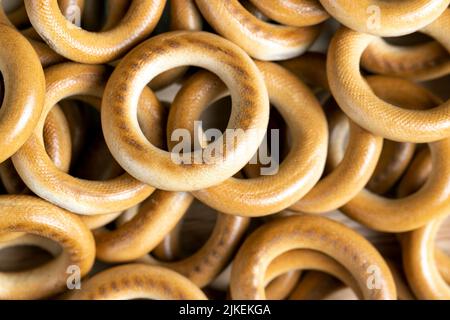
224,149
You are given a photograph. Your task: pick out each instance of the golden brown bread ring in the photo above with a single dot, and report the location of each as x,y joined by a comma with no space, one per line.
299,171
399,215
260,39
138,281
344,182
41,175
91,47
201,267
360,103
311,68
23,96
33,215
273,239
157,167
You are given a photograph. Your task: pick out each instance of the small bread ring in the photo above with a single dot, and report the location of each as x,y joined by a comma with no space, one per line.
40,174
360,103
24,90
145,162
32,215
399,215
271,240
267,194
83,46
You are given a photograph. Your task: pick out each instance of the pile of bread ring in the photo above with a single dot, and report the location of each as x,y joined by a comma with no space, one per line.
93,204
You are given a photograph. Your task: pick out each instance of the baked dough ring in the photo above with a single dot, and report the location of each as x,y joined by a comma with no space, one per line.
157,167
33,215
